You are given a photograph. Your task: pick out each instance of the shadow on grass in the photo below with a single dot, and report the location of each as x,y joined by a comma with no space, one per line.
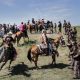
51,66
20,69
28,43
31,42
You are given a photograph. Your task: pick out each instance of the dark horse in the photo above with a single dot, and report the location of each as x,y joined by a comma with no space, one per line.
17,36
7,52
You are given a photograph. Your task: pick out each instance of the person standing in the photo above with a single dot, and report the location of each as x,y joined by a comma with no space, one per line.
65,26
5,30
55,26
77,63
60,26
33,23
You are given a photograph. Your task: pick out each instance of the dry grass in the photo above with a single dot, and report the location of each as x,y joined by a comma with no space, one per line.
26,71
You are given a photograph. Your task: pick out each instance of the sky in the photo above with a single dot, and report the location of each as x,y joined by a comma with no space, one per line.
16,11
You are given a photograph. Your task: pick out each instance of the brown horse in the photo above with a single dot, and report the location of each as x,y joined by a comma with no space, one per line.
34,52
57,40
31,28
17,36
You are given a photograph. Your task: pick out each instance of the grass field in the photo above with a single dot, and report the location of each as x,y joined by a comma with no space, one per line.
26,71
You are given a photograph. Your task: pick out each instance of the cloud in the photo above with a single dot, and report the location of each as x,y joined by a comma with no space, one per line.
8,2
56,9
54,12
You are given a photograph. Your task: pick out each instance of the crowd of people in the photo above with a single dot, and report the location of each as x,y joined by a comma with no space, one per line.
33,25
42,26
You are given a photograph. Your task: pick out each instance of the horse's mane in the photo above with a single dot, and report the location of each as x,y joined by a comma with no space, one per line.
33,47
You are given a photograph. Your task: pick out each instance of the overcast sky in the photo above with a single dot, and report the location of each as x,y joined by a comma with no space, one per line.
16,11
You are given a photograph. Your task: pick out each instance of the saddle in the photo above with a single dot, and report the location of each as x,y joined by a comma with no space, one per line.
46,50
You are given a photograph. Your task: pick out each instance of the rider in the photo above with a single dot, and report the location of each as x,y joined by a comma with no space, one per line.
45,42
11,50
8,36
21,27
33,22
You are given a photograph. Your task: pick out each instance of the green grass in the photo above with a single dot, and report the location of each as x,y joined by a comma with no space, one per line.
26,71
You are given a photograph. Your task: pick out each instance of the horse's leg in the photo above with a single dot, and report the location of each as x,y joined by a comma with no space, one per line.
18,39
35,61
3,65
30,30
28,38
10,64
24,39
54,59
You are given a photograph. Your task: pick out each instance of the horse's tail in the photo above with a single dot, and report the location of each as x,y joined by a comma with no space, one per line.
29,55
14,38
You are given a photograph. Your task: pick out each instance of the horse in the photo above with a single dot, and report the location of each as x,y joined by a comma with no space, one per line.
57,40
18,35
7,52
31,28
34,52
36,27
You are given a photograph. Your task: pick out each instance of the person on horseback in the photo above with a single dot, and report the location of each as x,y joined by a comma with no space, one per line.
9,53
8,36
44,42
21,27
33,23
23,30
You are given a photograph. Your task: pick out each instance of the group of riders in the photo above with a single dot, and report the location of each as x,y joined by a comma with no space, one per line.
36,26
48,46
